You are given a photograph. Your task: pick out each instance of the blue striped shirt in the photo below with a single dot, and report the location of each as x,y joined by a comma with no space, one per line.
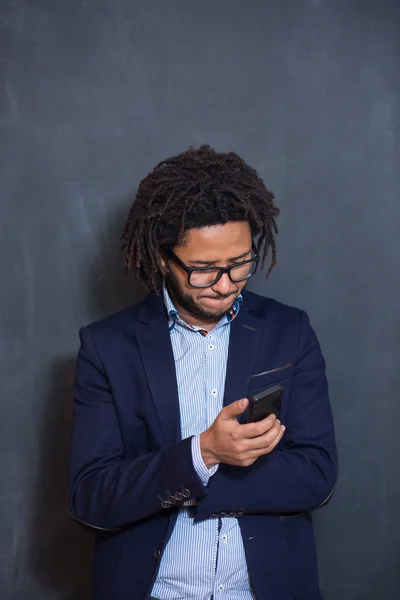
201,560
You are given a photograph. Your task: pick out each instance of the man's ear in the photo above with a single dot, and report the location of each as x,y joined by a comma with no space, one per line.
164,262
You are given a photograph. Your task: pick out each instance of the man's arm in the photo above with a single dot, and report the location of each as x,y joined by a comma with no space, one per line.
298,475
106,490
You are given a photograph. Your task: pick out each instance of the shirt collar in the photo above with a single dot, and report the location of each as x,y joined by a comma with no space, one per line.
173,314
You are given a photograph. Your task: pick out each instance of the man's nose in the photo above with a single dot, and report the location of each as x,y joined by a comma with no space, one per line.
224,286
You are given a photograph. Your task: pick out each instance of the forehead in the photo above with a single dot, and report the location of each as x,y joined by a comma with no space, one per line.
217,241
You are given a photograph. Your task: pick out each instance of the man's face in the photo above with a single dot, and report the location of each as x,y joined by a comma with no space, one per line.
214,246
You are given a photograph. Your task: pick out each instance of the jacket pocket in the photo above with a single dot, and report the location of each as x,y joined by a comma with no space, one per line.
272,371
265,381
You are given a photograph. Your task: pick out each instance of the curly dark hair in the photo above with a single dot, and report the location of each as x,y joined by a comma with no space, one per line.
197,188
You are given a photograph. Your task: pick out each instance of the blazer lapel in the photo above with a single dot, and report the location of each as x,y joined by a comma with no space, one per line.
156,350
155,347
244,341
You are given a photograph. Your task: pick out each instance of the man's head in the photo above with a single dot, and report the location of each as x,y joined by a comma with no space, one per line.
200,209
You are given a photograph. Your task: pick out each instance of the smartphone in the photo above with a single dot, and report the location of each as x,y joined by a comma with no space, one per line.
265,403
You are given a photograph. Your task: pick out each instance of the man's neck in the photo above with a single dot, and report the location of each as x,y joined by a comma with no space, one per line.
195,321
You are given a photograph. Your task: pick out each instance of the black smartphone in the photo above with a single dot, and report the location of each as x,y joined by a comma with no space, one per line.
265,403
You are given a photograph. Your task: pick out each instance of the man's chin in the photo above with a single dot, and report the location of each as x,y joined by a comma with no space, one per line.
208,312
216,307
214,315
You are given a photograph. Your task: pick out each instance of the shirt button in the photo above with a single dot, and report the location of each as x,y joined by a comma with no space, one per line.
220,588
214,392
211,347
224,538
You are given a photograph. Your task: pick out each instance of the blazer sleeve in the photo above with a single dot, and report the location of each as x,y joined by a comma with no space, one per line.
300,474
107,491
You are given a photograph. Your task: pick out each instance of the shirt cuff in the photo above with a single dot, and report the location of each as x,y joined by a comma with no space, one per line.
202,471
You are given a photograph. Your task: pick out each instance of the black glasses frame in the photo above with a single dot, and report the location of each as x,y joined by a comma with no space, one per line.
189,270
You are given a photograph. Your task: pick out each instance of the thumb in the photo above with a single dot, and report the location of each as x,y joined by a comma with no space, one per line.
235,409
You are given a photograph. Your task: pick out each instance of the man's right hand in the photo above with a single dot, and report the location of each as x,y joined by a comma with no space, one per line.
229,442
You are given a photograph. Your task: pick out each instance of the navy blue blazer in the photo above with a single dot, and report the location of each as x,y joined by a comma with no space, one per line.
128,461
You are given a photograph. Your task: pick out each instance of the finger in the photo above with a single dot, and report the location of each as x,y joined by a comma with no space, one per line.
250,456
269,438
263,442
253,430
270,441
273,445
235,409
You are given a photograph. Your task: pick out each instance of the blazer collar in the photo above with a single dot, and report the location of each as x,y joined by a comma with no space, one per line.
153,307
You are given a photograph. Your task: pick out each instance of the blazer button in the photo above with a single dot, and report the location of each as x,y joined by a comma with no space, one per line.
165,504
171,500
240,513
178,497
157,553
213,516
186,493
223,514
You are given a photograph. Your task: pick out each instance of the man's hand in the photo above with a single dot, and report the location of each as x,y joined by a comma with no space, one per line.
229,442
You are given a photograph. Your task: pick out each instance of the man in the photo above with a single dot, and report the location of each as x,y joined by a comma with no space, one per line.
188,499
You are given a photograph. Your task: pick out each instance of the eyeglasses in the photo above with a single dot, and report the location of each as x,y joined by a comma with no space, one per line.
203,277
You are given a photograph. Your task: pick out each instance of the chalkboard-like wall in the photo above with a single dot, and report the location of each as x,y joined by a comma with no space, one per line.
93,94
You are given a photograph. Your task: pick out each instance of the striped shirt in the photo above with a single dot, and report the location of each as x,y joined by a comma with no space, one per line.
201,560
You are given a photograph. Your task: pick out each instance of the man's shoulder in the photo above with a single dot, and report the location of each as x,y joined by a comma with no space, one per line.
266,307
128,317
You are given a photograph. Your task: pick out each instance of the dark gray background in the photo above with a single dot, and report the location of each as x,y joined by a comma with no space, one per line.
93,94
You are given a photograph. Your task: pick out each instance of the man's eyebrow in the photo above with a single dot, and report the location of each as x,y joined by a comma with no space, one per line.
206,263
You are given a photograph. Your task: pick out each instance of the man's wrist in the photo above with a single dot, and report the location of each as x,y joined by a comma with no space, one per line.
209,458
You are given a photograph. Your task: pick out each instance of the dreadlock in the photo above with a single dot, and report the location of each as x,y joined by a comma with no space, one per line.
197,188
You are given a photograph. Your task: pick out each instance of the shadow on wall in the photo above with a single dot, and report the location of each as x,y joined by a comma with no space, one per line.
109,286
60,549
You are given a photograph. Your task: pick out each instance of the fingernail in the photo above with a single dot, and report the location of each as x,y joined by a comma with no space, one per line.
242,402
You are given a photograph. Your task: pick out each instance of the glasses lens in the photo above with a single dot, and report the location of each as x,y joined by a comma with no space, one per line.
241,272
203,278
